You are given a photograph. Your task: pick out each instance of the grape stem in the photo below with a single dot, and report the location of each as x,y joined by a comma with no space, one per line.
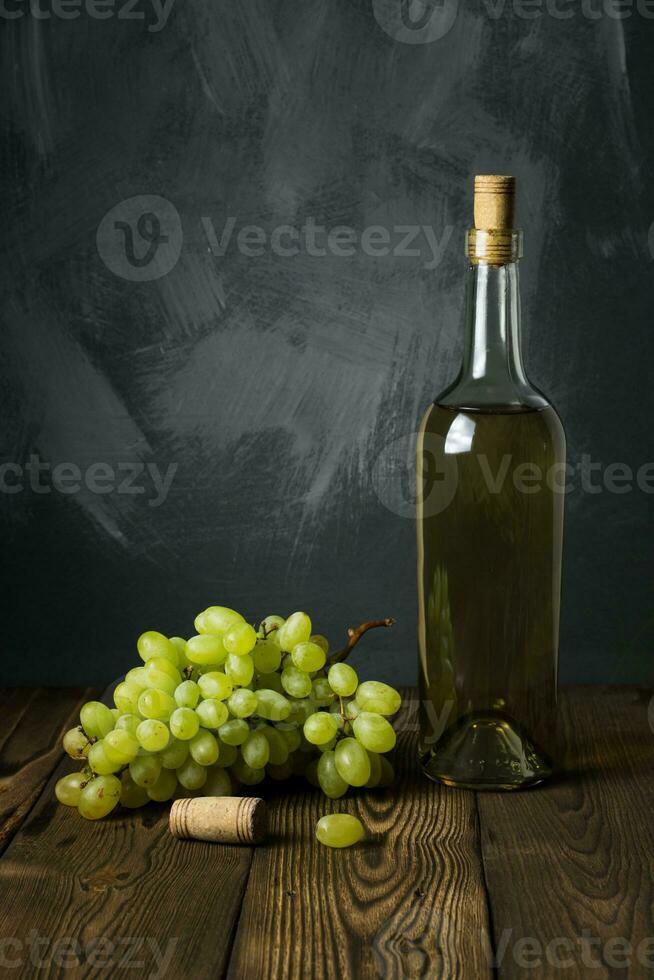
354,635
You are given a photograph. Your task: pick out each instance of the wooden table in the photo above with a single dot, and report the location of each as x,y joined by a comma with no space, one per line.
556,881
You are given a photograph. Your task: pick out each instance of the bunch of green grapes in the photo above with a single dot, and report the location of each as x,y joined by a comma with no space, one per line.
220,711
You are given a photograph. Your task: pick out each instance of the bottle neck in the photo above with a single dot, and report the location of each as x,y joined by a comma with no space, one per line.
492,374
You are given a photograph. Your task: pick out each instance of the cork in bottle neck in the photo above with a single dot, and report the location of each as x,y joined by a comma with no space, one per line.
494,239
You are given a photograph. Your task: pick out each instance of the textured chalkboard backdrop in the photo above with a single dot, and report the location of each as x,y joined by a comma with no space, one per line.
231,281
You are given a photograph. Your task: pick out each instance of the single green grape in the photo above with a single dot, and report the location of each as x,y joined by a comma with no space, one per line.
126,697
128,723
228,754
136,677
164,787
292,737
267,656
212,713
215,685
100,762
269,626
277,744
206,648
256,750
162,675
191,774
204,748
68,789
343,680
246,774
321,692
152,644
217,619
175,754
243,703
269,682
296,682
76,743
375,770
352,762
378,697
301,709
180,646
296,629
184,724
234,731
374,732
322,642
120,746
308,656
240,668
187,694
240,639
320,728
352,710
96,719
339,830
131,795
329,780
156,704
218,783
272,706
145,769
99,797
152,735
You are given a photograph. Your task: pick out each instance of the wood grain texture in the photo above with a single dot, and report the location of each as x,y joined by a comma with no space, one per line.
33,722
570,865
447,884
122,890
407,902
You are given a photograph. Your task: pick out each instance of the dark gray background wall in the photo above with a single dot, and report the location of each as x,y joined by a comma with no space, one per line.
279,393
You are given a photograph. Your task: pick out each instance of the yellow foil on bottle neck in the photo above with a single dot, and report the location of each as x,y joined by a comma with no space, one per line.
494,246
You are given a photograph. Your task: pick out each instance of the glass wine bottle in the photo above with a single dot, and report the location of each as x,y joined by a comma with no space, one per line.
491,469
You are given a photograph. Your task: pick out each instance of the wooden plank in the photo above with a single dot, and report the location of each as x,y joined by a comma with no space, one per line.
33,722
570,866
119,897
409,902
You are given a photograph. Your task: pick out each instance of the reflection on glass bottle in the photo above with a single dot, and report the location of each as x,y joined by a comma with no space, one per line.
490,522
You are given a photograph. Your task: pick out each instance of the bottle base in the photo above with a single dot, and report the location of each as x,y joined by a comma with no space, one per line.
486,752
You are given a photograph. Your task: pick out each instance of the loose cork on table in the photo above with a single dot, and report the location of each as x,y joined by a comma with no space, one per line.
223,819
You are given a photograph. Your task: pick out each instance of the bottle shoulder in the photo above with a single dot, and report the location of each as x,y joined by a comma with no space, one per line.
461,428
482,394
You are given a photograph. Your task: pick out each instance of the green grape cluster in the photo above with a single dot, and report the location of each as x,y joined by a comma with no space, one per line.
223,710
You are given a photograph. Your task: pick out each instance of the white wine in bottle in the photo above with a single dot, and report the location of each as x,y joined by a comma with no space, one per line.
491,467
